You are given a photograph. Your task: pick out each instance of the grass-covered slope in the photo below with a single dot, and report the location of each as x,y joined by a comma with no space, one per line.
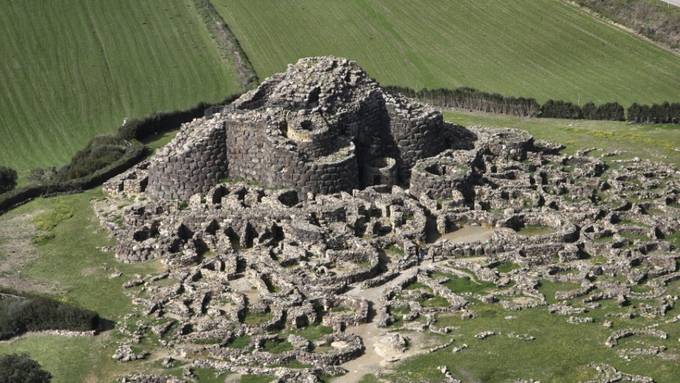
72,69
70,266
538,48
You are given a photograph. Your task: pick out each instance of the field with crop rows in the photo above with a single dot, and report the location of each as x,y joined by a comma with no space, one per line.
539,48
75,68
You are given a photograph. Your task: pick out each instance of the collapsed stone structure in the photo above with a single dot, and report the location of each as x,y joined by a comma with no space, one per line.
319,201
323,126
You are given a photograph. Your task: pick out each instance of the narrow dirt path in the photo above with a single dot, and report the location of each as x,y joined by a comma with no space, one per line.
371,361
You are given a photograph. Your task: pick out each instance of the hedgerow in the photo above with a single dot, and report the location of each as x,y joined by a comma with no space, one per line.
8,179
21,313
476,100
104,156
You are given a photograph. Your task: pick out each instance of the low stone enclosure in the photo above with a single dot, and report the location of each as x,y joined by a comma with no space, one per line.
310,230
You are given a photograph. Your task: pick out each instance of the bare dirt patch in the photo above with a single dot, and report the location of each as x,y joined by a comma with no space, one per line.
244,286
16,251
377,357
468,234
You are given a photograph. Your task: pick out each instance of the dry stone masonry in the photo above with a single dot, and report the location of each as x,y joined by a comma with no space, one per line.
319,226
323,126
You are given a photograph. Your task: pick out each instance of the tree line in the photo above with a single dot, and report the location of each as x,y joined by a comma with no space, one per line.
655,114
611,111
475,100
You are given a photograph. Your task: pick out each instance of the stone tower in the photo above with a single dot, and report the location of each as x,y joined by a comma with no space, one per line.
323,126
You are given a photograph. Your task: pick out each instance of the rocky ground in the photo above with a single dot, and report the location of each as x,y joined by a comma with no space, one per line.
320,227
261,281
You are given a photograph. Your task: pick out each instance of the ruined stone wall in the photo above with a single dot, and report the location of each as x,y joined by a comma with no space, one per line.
323,144
374,127
257,151
417,131
505,143
331,175
425,182
368,127
449,175
193,162
254,156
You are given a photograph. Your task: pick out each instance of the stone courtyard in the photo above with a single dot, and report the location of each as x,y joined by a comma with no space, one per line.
318,227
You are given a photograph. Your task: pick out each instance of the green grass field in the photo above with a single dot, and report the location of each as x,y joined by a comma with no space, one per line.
560,353
538,48
72,69
70,258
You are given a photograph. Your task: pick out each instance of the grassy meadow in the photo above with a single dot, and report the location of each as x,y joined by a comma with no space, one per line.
72,69
69,260
538,48
560,353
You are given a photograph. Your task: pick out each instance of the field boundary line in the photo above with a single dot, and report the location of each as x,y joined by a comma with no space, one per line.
604,19
228,45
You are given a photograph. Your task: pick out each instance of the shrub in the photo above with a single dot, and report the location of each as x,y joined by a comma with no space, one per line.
59,182
160,122
8,179
610,111
99,153
40,175
20,368
27,313
589,111
561,109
